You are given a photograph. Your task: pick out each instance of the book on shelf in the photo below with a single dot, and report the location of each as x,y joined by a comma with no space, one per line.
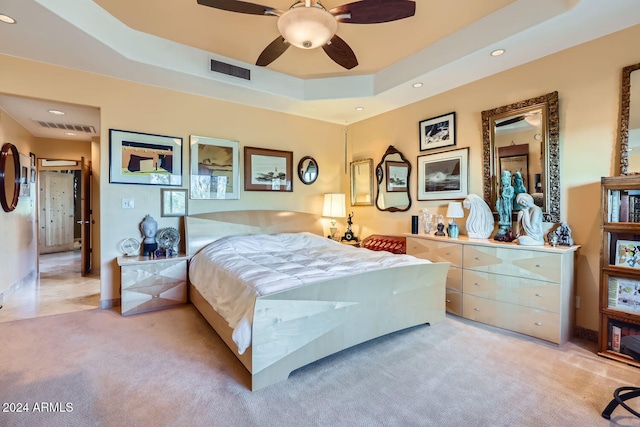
614,206
617,330
624,208
624,294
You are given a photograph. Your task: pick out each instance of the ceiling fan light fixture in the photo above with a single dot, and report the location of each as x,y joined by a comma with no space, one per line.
307,27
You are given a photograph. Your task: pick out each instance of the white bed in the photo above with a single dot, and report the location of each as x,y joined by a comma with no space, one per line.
294,317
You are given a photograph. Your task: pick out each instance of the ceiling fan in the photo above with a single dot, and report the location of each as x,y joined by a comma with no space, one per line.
309,26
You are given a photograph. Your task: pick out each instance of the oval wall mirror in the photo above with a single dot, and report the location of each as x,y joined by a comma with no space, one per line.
630,120
9,177
393,174
523,137
308,170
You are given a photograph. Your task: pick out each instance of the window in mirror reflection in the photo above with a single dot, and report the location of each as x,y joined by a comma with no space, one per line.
634,121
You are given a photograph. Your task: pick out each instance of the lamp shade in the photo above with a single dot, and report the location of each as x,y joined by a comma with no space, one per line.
455,210
307,27
334,206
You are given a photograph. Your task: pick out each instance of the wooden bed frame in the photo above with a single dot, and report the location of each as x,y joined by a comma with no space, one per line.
296,327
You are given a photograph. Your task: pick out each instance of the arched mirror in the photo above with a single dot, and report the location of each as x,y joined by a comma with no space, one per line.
524,137
392,174
630,120
362,183
308,170
9,177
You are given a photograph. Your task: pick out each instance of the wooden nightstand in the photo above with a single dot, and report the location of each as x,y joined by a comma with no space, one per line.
351,243
152,283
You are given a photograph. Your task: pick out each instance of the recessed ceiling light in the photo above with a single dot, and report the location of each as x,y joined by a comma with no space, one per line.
7,19
70,133
498,52
359,108
417,84
57,112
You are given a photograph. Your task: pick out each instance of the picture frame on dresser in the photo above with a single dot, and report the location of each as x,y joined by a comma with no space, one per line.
144,158
215,168
443,175
268,170
437,132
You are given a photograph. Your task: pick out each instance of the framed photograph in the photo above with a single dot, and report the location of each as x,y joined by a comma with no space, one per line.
438,132
267,170
32,158
519,163
143,158
443,175
173,201
627,253
215,169
397,174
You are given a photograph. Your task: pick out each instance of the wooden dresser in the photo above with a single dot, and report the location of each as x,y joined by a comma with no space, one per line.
526,289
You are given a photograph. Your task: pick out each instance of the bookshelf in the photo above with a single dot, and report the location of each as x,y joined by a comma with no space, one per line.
619,265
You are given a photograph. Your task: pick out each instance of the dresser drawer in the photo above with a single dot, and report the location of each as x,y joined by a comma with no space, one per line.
436,251
454,302
516,290
152,274
530,321
454,279
520,263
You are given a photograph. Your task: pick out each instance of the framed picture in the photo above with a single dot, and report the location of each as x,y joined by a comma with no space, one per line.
267,170
143,158
32,158
519,163
214,168
443,175
438,132
627,253
173,202
397,174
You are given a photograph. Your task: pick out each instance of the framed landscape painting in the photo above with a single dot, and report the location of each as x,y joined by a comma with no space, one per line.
443,175
214,168
144,158
267,170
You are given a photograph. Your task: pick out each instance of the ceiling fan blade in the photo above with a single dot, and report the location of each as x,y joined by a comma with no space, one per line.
272,52
340,52
374,11
240,7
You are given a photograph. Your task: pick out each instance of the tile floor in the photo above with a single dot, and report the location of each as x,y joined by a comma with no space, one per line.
59,289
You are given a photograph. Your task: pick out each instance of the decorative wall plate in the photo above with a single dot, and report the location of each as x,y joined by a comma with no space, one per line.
168,238
130,247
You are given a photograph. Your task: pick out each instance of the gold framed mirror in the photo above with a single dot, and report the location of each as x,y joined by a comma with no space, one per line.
362,183
524,136
630,120
392,174
9,177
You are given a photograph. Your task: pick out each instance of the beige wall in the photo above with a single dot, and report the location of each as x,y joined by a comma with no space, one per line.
588,89
61,149
18,241
589,94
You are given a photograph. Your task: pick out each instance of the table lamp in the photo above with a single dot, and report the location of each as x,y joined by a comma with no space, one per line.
334,207
454,211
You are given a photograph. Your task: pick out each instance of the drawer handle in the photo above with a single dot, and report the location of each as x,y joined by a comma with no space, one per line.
476,309
477,258
448,301
538,266
476,283
538,295
538,323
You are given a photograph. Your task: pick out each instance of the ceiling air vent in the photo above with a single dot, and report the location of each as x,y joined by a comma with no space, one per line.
67,126
230,70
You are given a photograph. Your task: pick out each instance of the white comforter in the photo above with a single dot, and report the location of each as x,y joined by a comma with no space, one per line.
232,272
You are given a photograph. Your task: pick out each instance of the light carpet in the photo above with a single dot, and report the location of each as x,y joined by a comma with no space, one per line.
169,368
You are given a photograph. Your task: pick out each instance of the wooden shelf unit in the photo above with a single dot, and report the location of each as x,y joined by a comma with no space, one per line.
620,230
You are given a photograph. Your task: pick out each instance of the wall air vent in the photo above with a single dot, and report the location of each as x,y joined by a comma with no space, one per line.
66,126
230,70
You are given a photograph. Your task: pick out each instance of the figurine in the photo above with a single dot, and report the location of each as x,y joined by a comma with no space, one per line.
348,235
529,224
440,231
564,235
504,206
149,228
480,220
518,188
